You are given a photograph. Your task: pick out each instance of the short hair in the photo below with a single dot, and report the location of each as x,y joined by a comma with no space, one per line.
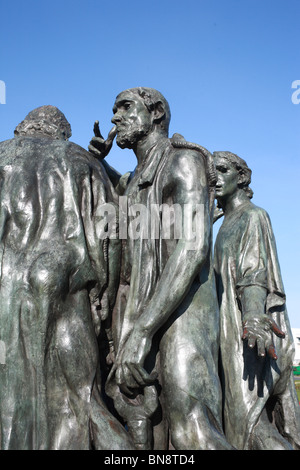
242,168
45,120
151,98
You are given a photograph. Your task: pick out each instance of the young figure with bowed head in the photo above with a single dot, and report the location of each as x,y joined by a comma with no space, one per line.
261,409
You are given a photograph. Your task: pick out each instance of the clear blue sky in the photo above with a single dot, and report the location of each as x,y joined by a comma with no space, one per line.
225,66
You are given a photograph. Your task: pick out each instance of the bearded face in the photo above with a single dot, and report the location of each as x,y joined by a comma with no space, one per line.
128,135
132,119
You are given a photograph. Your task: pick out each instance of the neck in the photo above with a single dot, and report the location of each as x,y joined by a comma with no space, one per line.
142,147
232,202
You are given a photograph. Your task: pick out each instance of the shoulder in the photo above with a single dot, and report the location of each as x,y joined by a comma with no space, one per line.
6,145
256,218
73,155
256,213
12,149
187,150
190,153
73,149
185,157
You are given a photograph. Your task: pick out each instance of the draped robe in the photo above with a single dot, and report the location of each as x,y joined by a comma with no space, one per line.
53,265
246,255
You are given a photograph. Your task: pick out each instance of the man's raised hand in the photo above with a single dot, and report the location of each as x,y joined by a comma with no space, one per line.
100,147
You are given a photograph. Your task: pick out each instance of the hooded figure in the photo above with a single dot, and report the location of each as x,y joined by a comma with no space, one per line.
56,285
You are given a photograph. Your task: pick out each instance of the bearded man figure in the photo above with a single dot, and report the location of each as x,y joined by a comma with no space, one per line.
166,319
57,282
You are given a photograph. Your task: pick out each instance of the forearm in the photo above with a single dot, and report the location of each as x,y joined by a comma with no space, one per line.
172,287
253,300
189,190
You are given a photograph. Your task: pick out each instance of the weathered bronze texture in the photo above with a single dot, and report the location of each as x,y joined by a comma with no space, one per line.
166,319
56,286
261,409
120,329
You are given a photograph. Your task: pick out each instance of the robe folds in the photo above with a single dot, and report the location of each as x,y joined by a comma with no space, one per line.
53,264
246,255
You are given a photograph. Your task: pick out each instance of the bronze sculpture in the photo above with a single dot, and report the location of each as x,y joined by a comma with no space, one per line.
135,311
261,409
166,315
54,273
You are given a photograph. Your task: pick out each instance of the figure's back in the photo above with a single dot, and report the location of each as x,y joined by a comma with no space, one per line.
50,253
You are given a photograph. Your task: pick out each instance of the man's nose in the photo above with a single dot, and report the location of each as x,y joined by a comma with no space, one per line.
219,180
116,118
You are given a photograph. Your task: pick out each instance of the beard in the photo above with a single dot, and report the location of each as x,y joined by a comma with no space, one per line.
127,137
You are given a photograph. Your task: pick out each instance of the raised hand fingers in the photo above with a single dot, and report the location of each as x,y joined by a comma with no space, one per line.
98,146
109,141
97,130
94,149
111,135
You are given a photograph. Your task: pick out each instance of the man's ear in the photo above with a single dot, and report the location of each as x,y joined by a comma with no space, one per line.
158,112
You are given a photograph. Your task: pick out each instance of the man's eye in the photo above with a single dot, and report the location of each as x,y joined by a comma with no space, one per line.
221,169
126,106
